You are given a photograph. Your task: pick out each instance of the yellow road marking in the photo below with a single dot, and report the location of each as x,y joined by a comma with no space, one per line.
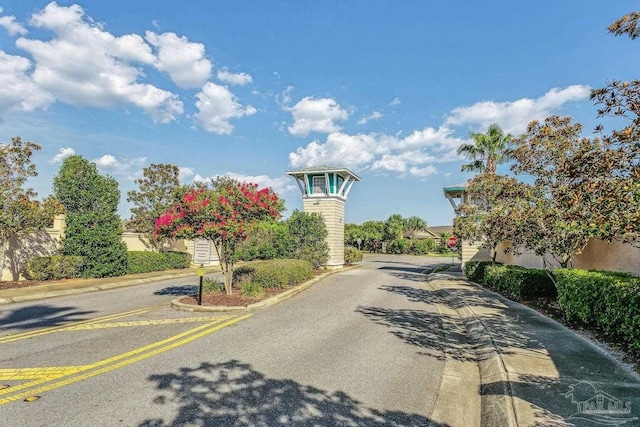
109,364
138,323
38,332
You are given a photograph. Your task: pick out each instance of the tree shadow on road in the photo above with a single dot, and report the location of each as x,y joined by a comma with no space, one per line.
42,315
178,290
233,394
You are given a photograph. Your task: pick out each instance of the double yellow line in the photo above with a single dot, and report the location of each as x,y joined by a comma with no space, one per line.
42,379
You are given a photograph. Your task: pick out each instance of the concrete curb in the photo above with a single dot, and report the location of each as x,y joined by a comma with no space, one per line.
497,406
82,286
176,304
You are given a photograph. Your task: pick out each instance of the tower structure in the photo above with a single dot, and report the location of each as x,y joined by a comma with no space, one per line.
324,190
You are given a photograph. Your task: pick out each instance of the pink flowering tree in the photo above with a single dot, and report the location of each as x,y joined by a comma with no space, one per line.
221,215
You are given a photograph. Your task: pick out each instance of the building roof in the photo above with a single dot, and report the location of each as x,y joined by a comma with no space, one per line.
458,188
324,169
438,230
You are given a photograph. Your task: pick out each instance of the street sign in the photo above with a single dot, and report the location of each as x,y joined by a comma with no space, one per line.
202,251
452,242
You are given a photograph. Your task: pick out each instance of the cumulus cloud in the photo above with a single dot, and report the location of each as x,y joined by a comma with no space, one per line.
18,91
85,65
239,79
280,185
12,26
513,116
373,116
124,167
63,153
182,60
216,106
316,115
184,173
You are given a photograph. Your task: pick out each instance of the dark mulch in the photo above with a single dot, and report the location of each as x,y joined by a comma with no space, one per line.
621,350
235,300
20,284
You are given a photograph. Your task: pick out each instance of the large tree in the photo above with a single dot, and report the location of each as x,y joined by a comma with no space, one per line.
94,230
19,211
309,234
158,189
413,225
487,151
220,213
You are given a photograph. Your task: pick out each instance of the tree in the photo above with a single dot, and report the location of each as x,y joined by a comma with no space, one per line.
353,232
159,189
393,227
309,234
487,151
373,234
413,225
19,211
219,213
574,190
94,229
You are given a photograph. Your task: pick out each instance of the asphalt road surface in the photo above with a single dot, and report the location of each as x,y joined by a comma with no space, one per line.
354,349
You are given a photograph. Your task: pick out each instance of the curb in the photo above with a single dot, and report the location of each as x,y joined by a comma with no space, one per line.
95,285
497,407
176,304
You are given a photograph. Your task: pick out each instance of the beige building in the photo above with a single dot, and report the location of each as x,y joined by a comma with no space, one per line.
324,191
46,242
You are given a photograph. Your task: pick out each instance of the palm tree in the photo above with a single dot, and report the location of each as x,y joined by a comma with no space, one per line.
413,225
487,152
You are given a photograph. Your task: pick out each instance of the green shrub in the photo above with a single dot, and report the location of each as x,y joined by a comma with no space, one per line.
421,247
352,255
519,283
277,273
212,285
398,246
54,267
474,270
146,262
608,300
176,260
252,290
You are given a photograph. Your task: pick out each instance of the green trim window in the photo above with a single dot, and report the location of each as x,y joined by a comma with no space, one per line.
319,185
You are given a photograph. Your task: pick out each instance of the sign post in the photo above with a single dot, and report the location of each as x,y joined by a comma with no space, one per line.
452,243
201,255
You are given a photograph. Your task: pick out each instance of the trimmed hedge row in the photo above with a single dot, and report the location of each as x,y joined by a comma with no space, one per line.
518,283
474,270
277,273
54,267
146,262
608,300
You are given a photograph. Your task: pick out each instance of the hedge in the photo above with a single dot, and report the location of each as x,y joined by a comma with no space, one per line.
608,300
518,283
54,267
146,262
352,255
277,273
474,270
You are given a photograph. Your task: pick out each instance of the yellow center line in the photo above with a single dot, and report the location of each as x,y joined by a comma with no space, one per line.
116,362
39,332
140,323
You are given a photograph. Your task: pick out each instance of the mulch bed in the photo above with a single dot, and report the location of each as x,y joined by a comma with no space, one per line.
235,300
20,284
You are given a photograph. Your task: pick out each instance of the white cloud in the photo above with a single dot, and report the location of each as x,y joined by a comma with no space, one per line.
280,185
216,106
373,116
17,89
350,150
85,65
240,79
124,167
185,173
12,26
396,101
63,153
184,61
514,116
316,115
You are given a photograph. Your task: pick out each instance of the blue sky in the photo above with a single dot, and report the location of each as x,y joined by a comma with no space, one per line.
252,89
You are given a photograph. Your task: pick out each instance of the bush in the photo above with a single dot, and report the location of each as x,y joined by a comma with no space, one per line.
212,285
308,235
474,270
146,262
421,247
608,300
352,255
274,273
54,267
252,290
519,283
398,246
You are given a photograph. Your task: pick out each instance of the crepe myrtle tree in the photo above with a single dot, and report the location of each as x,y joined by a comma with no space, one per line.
220,214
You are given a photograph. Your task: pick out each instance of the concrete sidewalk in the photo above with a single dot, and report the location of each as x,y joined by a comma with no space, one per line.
532,370
81,286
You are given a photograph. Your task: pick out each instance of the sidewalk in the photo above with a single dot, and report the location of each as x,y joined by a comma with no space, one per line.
532,370
81,286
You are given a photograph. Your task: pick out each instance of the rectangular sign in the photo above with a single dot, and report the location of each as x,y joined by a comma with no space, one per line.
201,251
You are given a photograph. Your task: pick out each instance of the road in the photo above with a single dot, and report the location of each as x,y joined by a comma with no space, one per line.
354,349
